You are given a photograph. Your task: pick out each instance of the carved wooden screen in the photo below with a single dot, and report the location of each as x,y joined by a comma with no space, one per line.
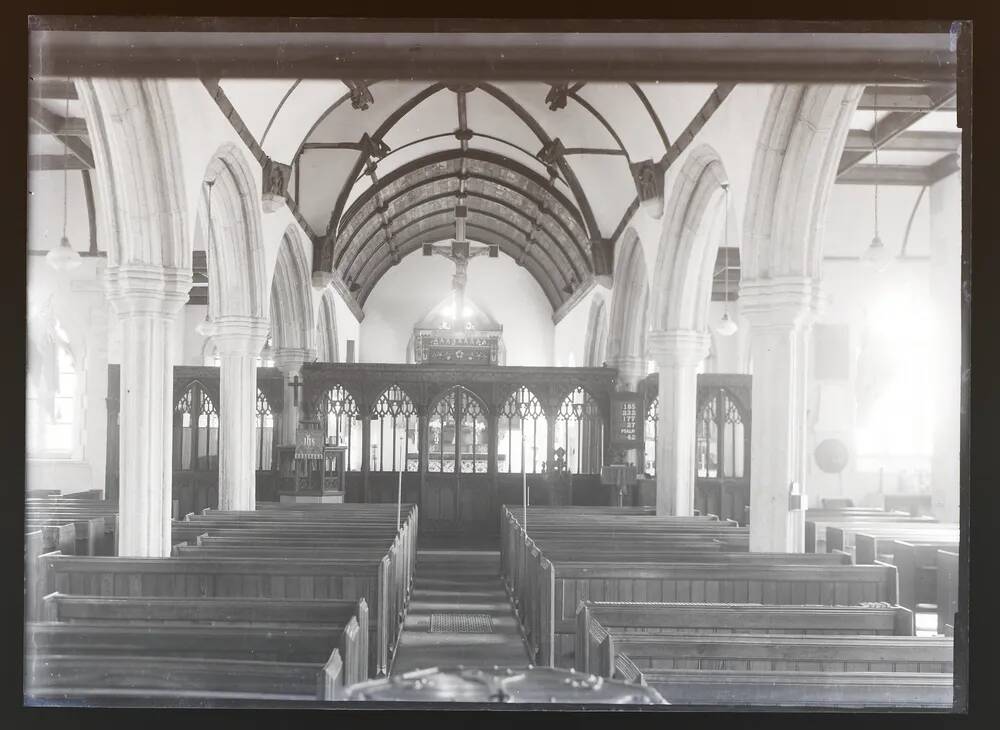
650,429
264,432
196,431
521,422
720,446
457,426
580,431
343,423
394,432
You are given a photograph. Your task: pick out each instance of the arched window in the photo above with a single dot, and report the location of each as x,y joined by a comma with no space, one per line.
265,432
720,445
52,399
394,432
343,423
521,423
580,431
458,434
649,430
196,431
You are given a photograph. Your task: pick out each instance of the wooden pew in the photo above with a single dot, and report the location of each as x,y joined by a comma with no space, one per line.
947,588
843,536
93,677
802,689
815,525
778,653
258,577
776,584
278,643
596,619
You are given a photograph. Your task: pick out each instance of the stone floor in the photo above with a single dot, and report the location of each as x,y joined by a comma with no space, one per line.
459,589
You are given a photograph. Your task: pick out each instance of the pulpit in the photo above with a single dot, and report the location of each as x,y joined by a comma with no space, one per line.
619,477
311,471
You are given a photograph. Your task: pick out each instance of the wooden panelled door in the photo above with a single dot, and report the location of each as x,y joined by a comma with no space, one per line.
457,495
722,446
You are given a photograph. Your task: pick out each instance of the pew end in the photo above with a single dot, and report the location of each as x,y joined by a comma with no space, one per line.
331,678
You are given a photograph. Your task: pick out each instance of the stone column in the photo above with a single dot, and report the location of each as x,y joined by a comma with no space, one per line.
146,299
677,354
946,373
780,312
239,341
631,370
289,361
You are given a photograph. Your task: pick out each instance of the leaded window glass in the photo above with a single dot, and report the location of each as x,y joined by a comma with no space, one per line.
196,430
720,440
264,432
458,434
522,431
394,432
649,432
343,423
580,431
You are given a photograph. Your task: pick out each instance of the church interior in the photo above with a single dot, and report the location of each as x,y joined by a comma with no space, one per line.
570,382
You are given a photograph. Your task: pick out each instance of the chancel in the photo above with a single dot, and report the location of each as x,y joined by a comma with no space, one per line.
365,376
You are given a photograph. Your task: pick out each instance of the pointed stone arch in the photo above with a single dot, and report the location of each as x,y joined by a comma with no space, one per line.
327,347
292,324
626,348
596,341
236,268
683,279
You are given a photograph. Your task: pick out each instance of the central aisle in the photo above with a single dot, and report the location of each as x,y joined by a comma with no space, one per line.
461,594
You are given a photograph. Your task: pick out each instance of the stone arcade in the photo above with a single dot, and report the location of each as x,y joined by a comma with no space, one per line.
681,282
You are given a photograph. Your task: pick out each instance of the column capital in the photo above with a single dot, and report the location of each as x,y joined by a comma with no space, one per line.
290,359
239,334
678,348
783,302
147,290
321,279
631,368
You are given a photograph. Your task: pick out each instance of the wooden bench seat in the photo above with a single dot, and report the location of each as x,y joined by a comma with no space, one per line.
947,588
842,537
801,689
596,619
778,653
83,676
257,577
554,591
815,528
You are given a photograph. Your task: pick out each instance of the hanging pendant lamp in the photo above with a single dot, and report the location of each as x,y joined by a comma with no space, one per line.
64,257
876,256
205,328
726,327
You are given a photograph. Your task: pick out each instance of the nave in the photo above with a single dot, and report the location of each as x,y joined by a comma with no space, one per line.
334,603
643,387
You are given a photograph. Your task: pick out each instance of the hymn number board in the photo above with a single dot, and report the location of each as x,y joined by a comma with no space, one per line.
626,426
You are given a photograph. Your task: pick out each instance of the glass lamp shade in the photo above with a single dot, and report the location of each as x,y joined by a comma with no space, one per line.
877,256
63,257
725,326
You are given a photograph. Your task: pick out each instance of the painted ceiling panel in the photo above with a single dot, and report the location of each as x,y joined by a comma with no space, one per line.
676,104
488,116
625,112
256,100
305,104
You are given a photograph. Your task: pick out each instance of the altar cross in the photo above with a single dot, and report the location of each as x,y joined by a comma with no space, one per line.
295,384
459,252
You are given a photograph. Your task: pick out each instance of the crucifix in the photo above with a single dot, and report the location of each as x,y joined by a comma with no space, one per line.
295,384
459,252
